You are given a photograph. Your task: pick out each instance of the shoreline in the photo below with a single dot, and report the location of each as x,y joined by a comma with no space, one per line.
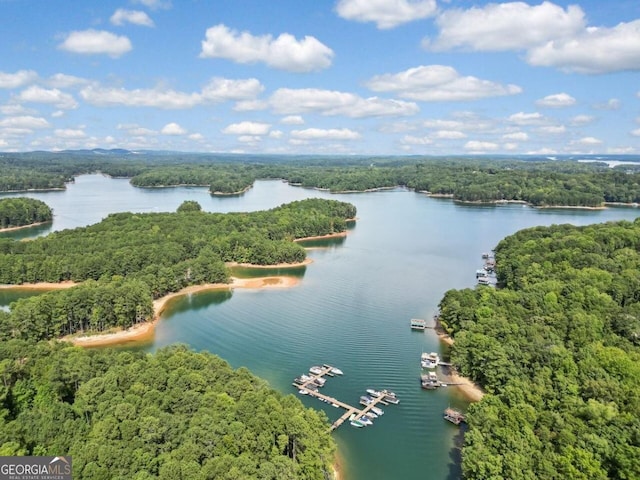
21,227
471,390
305,262
39,286
320,237
146,330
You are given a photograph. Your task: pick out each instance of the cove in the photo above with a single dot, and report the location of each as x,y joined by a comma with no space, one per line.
351,308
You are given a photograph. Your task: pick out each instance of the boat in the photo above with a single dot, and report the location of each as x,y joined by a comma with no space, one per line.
316,370
355,422
429,360
364,419
302,379
371,415
390,397
377,411
334,370
418,324
429,382
319,381
373,393
366,399
303,391
454,416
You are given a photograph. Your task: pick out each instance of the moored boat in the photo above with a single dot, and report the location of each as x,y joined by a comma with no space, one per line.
303,391
367,399
454,416
377,411
316,370
373,393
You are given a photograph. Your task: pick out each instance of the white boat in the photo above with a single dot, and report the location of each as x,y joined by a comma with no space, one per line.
429,360
371,415
366,399
302,379
373,393
303,391
336,371
316,370
364,419
319,381
377,411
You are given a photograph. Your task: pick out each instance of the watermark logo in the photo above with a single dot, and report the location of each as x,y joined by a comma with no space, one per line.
35,468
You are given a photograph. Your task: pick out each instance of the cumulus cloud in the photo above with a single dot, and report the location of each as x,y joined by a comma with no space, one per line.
247,128
587,141
553,129
24,121
557,100
154,4
136,17
449,134
18,79
287,101
413,140
433,83
172,129
217,90
284,52
93,42
522,118
292,120
325,134
595,50
506,26
385,13
220,89
69,133
519,136
54,97
479,146
61,80
580,120
611,104
636,132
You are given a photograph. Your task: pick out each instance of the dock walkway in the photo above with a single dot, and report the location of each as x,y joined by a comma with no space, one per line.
350,409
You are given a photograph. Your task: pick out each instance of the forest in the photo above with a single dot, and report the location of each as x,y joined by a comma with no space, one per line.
175,414
131,259
22,211
537,181
557,347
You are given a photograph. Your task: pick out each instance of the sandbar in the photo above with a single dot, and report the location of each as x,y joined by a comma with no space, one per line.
145,331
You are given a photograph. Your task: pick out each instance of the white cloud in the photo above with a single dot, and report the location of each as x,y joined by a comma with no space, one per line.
284,52
556,100
247,128
172,129
196,137
91,42
478,146
432,83
221,89
543,151
276,134
24,121
553,129
69,133
287,101
292,120
249,139
412,140
587,141
14,109
154,4
580,120
325,134
506,26
168,99
53,97
385,13
636,132
595,50
18,79
510,146
522,118
519,136
449,134
61,80
250,105
58,113
611,104
136,17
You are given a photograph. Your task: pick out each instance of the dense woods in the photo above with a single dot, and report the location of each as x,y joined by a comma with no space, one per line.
558,349
21,211
537,181
172,415
133,258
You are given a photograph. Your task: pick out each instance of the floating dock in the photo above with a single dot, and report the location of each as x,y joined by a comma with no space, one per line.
310,386
454,416
418,324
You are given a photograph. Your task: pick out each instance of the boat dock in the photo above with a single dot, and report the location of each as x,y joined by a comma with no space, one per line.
308,385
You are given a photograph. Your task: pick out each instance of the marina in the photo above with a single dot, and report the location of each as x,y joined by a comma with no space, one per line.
358,417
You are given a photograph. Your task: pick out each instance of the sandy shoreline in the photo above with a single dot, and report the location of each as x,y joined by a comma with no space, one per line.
22,227
145,331
39,286
468,387
306,261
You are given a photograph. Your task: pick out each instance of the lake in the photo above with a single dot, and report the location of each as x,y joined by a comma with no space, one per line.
351,308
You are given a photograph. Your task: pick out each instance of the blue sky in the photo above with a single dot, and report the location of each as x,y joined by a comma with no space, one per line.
388,77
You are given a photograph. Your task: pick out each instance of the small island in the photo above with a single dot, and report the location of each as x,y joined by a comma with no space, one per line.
23,212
